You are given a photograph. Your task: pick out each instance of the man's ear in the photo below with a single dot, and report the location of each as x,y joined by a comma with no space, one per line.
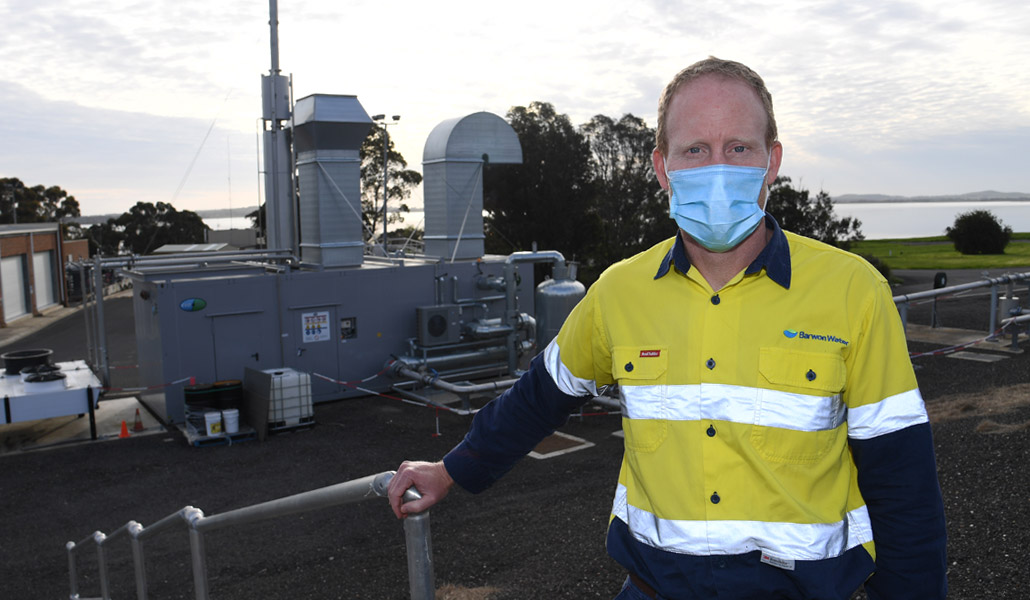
659,168
775,159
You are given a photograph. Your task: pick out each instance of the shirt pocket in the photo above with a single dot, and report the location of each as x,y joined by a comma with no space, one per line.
641,372
800,409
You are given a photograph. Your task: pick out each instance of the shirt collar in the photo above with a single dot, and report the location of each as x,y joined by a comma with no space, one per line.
775,257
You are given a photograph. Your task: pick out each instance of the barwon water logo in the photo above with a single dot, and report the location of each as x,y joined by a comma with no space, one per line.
801,335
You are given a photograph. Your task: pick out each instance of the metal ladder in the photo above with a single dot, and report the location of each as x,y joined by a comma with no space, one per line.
416,534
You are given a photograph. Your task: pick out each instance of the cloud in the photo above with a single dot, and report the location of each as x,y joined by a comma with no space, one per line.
110,159
934,164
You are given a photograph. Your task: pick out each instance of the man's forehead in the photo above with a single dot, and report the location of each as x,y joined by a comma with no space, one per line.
713,99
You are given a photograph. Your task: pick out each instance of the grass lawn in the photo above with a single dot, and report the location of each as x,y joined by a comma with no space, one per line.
939,253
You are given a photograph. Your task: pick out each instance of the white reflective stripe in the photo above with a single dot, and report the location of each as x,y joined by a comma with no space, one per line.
801,411
563,378
860,528
648,402
798,541
887,416
733,403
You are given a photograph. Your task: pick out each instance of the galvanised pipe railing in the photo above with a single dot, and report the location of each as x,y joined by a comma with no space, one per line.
902,300
416,532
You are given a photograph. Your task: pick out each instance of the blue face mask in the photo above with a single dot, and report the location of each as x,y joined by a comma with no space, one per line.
717,205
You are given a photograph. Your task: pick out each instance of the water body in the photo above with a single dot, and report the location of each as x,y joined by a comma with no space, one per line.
885,220
880,220
221,223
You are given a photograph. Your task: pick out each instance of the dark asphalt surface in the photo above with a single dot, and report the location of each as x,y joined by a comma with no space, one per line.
538,534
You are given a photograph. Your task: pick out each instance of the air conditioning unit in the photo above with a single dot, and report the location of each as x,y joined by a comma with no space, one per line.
438,325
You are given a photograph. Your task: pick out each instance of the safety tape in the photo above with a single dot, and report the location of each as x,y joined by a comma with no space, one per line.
957,347
192,381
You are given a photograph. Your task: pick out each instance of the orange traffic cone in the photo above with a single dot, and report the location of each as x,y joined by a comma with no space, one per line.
125,430
138,425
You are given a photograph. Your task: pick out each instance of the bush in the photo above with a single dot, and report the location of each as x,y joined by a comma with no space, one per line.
880,265
979,232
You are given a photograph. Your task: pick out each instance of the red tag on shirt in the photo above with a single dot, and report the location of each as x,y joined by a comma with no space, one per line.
650,353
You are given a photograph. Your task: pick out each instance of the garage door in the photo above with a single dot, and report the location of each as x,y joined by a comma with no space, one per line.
43,273
12,280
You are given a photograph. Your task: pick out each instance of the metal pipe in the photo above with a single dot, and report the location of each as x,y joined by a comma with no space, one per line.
511,310
961,288
98,539
341,493
487,328
420,563
493,354
468,301
418,541
994,309
469,388
73,576
138,564
98,278
902,300
198,555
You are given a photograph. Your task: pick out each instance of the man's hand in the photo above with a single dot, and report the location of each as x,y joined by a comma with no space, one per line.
430,479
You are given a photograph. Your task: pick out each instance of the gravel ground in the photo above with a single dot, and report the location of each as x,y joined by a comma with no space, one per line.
539,533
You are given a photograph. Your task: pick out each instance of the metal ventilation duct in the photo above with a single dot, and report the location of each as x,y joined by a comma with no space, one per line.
327,134
452,168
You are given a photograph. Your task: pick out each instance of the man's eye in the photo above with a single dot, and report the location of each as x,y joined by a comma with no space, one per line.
693,151
739,149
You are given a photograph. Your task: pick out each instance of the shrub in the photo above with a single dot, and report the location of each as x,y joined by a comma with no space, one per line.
979,232
880,265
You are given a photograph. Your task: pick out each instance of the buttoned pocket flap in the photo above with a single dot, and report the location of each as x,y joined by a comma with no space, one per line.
815,371
639,363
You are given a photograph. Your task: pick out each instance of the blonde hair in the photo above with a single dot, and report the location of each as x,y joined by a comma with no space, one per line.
724,68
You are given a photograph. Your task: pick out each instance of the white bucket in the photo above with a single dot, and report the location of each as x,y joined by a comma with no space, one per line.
213,422
231,417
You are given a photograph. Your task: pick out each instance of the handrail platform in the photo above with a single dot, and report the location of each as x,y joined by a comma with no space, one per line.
421,578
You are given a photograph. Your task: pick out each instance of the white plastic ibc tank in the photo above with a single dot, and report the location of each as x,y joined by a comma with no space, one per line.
289,398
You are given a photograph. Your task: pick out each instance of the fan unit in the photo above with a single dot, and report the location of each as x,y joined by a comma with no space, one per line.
438,324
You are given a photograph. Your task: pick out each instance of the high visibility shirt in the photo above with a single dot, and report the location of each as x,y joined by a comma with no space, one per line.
763,424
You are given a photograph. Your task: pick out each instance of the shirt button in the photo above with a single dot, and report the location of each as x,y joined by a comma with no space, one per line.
711,431
715,299
810,375
715,498
629,367
710,364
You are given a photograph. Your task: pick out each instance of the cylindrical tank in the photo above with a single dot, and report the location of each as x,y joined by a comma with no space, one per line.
555,299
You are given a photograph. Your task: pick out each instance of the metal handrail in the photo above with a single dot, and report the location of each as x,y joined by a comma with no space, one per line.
902,300
421,578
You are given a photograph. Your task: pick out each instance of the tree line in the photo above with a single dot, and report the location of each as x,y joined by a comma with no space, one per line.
20,203
588,191
591,193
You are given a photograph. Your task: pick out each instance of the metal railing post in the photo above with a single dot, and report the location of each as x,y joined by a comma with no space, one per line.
416,531
903,310
101,339
139,565
99,538
199,558
994,309
417,539
73,575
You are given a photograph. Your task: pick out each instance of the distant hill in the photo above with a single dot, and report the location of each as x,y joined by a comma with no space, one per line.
986,196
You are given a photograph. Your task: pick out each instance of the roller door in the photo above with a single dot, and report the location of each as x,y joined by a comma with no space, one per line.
43,274
12,280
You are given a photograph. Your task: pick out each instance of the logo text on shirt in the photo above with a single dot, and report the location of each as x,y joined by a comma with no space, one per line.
801,335
650,353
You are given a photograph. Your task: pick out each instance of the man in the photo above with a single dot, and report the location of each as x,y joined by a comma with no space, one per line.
776,444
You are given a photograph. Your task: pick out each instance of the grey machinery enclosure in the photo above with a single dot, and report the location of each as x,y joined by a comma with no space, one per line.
340,314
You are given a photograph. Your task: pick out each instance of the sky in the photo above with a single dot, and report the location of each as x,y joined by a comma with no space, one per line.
125,101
